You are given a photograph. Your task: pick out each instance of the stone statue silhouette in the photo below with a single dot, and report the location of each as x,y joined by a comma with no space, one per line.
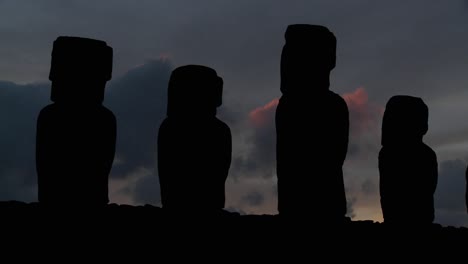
407,166
312,126
194,146
76,134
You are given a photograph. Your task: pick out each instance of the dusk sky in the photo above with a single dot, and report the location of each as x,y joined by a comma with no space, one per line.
385,48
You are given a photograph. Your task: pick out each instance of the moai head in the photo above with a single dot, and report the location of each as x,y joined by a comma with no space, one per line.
80,69
308,56
405,120
194,90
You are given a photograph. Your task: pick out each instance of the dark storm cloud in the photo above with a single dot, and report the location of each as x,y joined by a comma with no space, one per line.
19,107
392,47
254,198
146,190
138,99
450,193
389,47
365,117
368,187
259,157
236,210
350,207
262,157
449,198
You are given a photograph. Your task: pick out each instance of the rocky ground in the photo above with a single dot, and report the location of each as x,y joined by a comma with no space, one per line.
149,226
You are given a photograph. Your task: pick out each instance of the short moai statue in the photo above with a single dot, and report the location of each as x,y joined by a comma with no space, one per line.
407,166
194,146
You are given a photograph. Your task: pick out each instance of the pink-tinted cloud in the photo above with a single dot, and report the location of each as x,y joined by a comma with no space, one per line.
364,116
165,56
263,115
364,143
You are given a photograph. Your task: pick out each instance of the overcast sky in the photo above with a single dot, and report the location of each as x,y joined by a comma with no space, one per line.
414,47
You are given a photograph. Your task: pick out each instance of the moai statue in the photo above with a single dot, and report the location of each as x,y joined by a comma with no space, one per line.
76,134
312,127
194,146
407,166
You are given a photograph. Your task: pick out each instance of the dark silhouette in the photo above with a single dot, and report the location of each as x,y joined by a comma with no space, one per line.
312,125
75,141
194,147
258,233
407,166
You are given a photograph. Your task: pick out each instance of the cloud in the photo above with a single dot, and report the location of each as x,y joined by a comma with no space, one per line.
350,207
450,192
258,157
19,108
410,55
235,210
138,99
145,188
254,198
369,187
365,122
263,115
364,116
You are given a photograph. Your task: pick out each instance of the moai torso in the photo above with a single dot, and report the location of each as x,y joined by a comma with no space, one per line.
194,147
76,135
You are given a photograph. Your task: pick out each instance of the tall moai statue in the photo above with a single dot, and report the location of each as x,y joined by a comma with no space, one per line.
312,127
407,166
194,146
76,134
